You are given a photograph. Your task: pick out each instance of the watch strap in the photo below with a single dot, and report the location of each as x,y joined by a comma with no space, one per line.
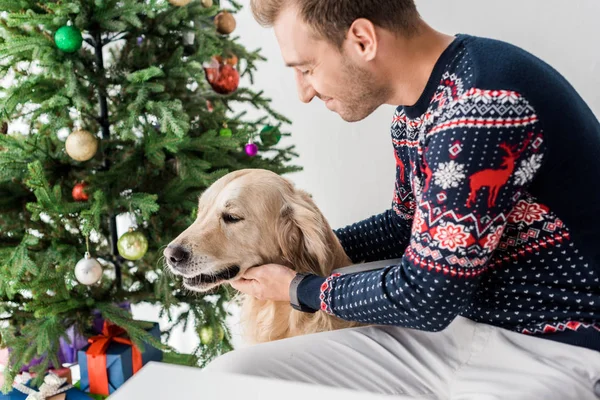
294,301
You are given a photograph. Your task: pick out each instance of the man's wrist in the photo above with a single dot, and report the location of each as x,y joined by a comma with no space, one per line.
304,292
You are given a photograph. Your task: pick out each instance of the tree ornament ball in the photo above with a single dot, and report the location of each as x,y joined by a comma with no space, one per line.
132,245
225,132
225,22
270,135
207,3
224,79
231,60
251,149
207,334
81,145
68,39
180,3
88,270
79,193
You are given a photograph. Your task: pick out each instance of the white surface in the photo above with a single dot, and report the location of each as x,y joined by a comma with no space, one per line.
165,381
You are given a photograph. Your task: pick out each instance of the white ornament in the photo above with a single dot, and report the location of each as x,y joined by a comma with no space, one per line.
88,270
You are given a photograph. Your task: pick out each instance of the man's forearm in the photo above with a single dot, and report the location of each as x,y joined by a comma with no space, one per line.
380,237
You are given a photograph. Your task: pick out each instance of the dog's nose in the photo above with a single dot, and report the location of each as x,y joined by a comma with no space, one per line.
176,255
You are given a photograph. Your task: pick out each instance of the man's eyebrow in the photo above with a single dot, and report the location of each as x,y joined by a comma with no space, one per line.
297,63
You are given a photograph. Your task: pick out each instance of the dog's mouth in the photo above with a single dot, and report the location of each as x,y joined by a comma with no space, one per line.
206,279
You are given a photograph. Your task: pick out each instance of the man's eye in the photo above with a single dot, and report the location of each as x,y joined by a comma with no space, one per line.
231,219
305,72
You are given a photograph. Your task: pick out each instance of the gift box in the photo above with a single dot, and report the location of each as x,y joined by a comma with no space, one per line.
70,343
53,388
98,320
111,358
61,372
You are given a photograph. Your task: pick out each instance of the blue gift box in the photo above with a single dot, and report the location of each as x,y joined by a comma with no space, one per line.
71,394
119,364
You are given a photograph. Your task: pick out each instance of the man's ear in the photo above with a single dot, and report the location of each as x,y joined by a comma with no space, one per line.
362,40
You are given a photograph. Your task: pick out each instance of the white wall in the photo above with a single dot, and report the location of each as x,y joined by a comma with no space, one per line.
349,168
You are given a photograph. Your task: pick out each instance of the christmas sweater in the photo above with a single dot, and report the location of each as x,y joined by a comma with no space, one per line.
495,212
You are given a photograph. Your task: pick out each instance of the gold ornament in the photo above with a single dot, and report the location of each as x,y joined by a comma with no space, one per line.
207,3
225,22
81,145
180,3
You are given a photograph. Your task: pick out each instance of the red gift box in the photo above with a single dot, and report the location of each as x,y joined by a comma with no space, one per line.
96,356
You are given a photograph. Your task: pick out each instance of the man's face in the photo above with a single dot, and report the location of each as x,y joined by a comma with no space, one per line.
340,79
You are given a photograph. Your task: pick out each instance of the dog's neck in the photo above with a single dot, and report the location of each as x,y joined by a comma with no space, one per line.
267,320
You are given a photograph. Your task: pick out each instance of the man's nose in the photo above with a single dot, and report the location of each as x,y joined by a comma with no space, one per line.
177,256
305,90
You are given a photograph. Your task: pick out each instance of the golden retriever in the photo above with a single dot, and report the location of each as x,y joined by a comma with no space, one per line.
249,218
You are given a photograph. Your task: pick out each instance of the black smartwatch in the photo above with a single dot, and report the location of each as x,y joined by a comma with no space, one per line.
294,294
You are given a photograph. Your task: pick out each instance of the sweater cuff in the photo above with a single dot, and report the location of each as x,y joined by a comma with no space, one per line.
309,291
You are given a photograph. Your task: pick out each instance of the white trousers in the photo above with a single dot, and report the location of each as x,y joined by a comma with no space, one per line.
467,360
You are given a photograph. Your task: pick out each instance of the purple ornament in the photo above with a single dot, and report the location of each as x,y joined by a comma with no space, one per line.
251,149
140,40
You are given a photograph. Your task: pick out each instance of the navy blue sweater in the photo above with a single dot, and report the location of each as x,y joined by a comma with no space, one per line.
496,206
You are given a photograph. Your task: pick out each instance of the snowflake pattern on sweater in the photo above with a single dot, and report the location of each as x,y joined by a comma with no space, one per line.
474,240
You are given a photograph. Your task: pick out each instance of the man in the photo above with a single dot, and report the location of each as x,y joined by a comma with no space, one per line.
495,216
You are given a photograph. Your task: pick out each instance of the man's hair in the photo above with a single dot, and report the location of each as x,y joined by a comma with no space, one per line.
331,19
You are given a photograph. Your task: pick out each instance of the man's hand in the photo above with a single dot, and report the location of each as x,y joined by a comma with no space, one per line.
266,282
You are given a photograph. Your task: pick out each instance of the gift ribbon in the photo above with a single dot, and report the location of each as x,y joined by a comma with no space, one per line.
96,356
53,385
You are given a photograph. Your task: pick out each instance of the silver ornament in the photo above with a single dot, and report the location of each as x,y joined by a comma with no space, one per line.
88,270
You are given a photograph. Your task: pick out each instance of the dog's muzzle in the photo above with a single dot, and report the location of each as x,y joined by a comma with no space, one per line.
177,257
204,279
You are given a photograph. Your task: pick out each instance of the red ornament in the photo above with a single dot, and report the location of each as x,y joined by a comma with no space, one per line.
224,78
79,193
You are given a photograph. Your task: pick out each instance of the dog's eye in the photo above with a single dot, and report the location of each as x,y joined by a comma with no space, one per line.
230,219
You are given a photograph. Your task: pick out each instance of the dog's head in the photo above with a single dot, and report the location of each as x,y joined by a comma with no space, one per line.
249,218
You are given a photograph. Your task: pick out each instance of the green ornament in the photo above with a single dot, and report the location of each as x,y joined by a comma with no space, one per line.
207,334
132,245
68,39
225,132
270,135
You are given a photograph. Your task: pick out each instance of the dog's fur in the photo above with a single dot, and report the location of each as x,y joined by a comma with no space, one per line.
280,224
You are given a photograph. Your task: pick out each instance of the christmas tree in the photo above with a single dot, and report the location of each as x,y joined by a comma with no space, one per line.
108,108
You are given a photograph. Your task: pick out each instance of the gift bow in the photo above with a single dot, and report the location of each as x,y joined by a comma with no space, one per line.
53,385
96,356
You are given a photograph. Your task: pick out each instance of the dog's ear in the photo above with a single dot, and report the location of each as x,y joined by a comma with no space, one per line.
302,234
